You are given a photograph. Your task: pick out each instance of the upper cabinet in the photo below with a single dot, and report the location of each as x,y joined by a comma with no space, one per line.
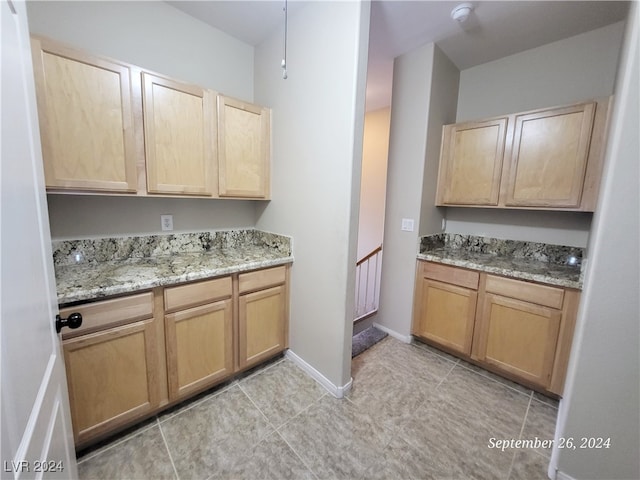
543,159
179,128
549,157
243,149
86,120
111,128
473,153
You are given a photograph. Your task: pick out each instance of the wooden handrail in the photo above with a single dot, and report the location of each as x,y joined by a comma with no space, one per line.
369,255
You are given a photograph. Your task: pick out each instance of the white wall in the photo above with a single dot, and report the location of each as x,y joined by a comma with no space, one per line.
318,116
158,37
373,184
602,394
570,70
423,98
442,107
87,216
558,228
153,35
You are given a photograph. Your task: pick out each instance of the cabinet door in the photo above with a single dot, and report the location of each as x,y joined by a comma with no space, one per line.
199,347
179,122
243,149
549,157
112,378
262,324
86,121
471,163
518,337
446,315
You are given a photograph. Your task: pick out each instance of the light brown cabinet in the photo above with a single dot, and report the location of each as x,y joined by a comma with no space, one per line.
109,127
471,162
113,365
543,159
199,335
136,355
518,326
445,305
243,149
179,128
262,314
519,329
85,110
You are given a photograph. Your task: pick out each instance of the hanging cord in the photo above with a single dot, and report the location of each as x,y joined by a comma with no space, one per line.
284,58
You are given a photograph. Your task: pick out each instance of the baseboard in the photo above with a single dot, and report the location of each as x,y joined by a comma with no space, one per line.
393,333
338,392
563,476
365,316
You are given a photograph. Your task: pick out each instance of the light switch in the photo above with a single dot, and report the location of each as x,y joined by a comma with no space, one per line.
407,225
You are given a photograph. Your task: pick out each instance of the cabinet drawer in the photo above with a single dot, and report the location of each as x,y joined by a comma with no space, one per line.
262,279
453,275
529,292
198,293
109,313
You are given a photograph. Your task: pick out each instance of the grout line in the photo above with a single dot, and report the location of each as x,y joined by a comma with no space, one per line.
295,416
116,442
166,445
325,393
524,422
257,408
495,381
295,452
262,370
447,375
194,403
555,407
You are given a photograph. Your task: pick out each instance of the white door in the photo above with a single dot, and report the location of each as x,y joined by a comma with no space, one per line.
36,439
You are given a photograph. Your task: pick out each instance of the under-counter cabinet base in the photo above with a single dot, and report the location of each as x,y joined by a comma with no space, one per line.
446,306
262,315
199,335
520,330
112,364
136,355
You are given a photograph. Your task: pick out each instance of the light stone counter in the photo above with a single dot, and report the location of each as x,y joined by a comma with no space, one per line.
93,269
551,264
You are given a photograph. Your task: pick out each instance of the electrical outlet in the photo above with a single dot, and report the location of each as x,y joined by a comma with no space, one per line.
167,222
407,225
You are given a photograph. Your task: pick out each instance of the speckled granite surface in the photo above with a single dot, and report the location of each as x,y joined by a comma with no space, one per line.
551,264
91,269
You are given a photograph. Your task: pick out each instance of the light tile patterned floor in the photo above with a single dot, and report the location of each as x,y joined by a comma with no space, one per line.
413,413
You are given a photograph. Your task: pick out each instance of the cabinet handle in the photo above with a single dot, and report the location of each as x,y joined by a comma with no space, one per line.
72,321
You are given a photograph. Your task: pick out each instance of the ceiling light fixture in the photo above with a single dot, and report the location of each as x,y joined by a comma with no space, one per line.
462,12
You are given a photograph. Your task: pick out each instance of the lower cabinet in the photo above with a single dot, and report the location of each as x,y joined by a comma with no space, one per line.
112,373
520,329
445,306
199,339
136,355
263,315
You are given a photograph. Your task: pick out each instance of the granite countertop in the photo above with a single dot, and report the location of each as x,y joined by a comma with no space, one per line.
93,269
551,264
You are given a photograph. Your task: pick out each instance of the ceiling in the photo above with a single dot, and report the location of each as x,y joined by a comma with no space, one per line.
494,30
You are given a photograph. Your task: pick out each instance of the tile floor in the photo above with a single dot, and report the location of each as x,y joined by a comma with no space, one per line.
413,413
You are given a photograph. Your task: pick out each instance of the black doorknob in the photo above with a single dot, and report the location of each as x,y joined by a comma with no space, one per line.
72,321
